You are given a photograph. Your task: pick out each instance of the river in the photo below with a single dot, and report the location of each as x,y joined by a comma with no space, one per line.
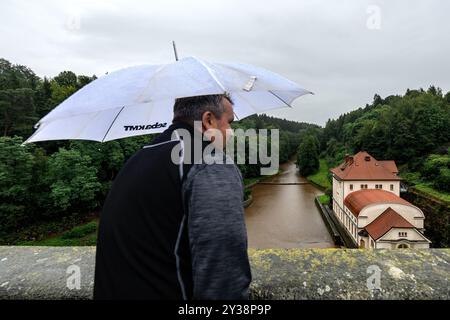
285,216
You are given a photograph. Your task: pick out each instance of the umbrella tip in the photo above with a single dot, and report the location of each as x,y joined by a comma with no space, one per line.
175,50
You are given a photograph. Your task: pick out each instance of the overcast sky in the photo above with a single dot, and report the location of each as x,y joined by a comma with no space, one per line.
344,51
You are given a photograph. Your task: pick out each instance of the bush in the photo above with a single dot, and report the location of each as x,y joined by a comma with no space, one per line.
80,231
247,193
324,199
442,182
16,180
432,166
72,180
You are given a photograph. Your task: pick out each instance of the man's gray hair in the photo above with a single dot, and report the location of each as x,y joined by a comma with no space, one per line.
193,108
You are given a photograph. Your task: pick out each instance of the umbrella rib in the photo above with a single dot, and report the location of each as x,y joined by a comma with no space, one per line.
211,73
280,99
103,140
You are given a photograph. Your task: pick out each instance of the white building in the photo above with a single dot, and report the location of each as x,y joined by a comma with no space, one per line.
366,200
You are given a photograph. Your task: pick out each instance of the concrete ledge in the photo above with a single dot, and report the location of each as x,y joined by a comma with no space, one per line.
52,273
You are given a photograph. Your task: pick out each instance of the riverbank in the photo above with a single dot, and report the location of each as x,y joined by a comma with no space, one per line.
321,178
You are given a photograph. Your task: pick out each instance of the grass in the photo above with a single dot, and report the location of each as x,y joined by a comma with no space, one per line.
46,229
83,235
320,178
415,181
324,199
429,190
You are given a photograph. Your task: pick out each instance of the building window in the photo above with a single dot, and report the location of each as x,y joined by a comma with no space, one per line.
403,234
392,187
403,246
364,186
351,187
378,186
362,244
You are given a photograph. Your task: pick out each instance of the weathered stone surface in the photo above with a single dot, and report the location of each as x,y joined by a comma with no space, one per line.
49,272
41,272
344,274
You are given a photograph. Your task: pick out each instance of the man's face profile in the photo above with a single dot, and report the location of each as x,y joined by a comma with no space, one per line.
219,127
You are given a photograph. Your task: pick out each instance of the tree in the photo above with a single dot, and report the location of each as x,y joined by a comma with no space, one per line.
435,91
16,180
308,157
17,111
43,95
377,100
72,180
66,79
107,158
447,97
84,80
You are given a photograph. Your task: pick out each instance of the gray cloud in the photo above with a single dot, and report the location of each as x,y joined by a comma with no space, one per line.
325,46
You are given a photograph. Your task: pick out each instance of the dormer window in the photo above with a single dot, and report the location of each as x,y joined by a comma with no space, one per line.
367,158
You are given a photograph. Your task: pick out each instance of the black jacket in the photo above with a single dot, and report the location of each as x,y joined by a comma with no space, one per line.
172,233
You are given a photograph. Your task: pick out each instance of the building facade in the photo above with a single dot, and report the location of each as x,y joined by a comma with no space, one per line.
366,200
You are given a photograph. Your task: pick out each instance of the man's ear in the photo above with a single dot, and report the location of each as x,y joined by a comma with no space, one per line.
208,120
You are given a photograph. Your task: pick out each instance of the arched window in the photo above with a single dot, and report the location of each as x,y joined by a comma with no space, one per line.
403,246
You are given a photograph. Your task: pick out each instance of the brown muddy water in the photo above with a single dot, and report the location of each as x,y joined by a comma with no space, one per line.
285,216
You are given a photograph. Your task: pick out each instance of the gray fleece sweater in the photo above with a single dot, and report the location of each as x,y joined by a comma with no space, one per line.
213,196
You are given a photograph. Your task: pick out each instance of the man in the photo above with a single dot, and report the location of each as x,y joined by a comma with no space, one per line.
175,229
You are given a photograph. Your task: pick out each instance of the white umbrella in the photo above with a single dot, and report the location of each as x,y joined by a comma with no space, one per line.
139,100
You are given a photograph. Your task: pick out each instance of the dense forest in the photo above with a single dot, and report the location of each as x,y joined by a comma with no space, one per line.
413,130
49,187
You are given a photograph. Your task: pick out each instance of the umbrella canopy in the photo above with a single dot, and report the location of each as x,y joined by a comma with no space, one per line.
139,100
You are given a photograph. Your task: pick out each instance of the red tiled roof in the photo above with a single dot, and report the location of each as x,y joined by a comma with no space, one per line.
362,166
390,165
386,221
358,200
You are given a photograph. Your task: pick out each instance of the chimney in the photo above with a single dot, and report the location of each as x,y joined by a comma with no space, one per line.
348,159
